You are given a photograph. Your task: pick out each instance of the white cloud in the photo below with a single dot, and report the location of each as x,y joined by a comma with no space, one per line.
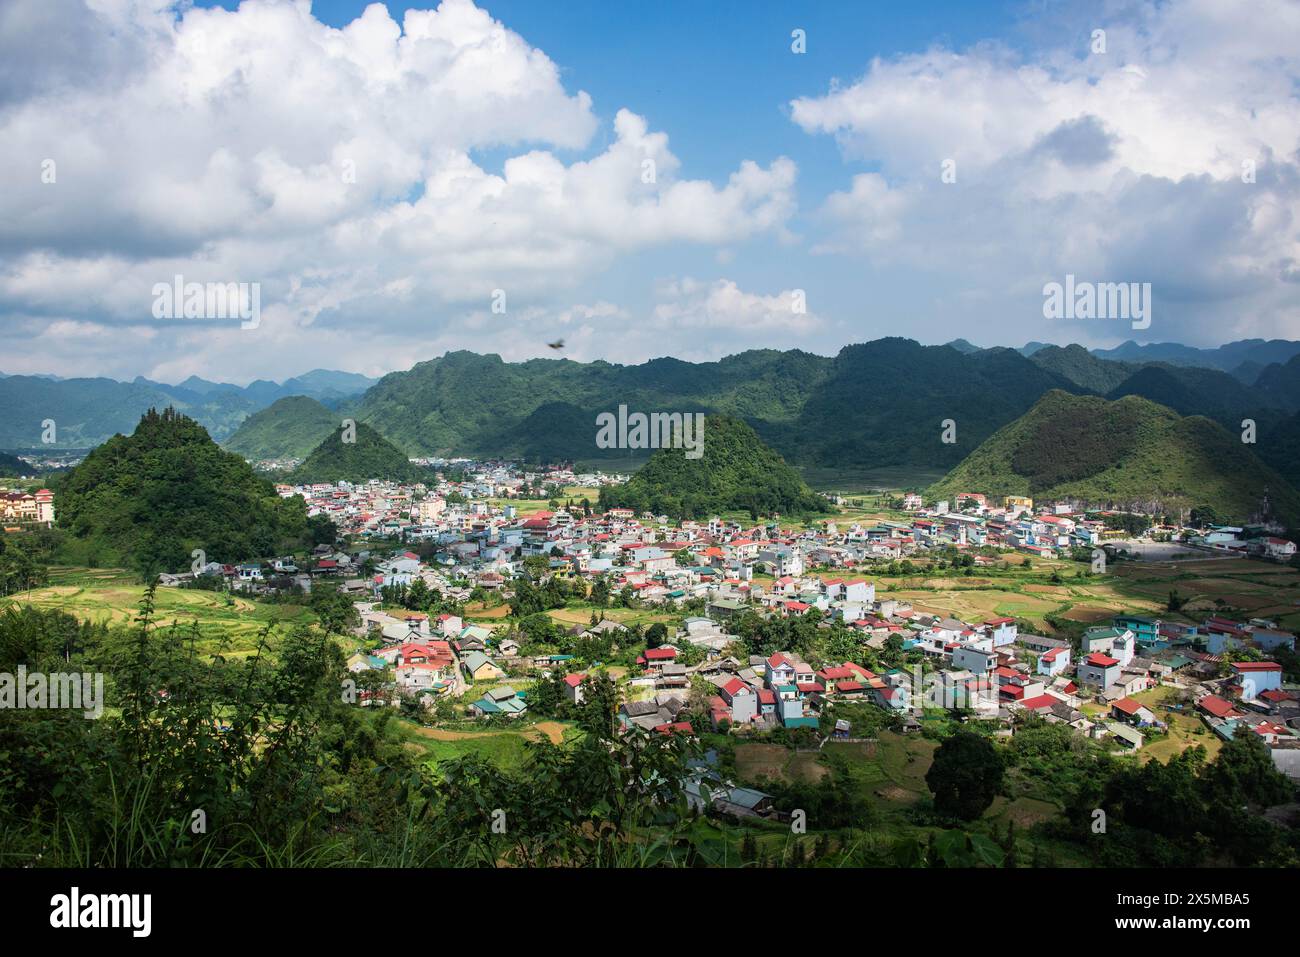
1124,166
337,167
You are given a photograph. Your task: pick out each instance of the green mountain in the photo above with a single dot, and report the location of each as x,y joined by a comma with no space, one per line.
1078,365
1209,392
467,404
1225,357
288,428
369,456
1280,448
735,472
86,412
814,410
1279,384
167,489
1120,453
885,403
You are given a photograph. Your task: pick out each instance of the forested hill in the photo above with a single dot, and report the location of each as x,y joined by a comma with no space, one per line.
1130,451
151,498
736,472
357,458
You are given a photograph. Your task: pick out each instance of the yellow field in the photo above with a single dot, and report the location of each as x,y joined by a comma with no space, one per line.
105,596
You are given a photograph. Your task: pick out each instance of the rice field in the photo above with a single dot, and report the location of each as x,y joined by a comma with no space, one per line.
112,596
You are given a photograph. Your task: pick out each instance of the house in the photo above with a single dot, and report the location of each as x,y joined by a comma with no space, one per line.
778,670
504,700
1216,707
1132,711
573,688
654,659
1254,677
782,560
1054,661
893,698
975,660
742,702
1147,630
1127,736
1003,630
723,608
1099,670
479,667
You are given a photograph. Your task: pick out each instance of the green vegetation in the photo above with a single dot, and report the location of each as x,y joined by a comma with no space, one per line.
814,410
288,428
1280,448
736,471
1129,452
1078,365
199,760
154,497
90,411
12,465
369,456
965,777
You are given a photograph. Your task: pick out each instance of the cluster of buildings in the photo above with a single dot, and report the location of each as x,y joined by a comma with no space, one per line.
19,508
420,511
986,668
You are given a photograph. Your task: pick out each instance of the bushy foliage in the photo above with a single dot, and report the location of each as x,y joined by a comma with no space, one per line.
369,456
736,471
167,489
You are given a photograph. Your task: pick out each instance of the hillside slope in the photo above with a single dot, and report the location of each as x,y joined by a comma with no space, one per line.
735,472
152,497
370,456
1125,452
288,428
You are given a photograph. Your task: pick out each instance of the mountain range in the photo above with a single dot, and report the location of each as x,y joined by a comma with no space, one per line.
880,403
87,412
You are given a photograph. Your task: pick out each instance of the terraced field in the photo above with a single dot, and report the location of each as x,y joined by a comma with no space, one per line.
112,596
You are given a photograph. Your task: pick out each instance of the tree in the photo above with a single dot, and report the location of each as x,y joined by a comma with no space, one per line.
1244,773
656,635
966,775
334,609
321,531
598,713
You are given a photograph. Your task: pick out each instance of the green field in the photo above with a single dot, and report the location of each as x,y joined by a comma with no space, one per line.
113,596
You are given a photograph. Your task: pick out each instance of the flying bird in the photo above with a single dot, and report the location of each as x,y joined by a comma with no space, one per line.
557,344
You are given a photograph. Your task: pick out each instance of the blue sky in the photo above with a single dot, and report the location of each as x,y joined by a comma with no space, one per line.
380,175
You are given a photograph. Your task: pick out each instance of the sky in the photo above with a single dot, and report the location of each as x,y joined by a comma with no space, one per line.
634,179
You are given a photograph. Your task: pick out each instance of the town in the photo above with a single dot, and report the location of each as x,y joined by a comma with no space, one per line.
465,544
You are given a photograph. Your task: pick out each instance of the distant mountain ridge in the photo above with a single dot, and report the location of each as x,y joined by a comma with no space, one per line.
87,412
873,404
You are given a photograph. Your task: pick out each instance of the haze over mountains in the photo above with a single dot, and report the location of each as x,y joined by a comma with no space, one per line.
87,412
